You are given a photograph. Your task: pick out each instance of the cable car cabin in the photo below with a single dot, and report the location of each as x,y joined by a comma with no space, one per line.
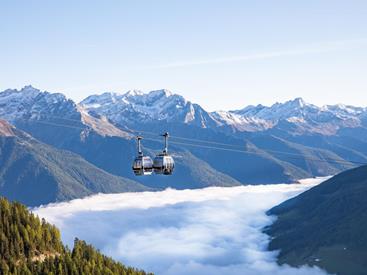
163,164
143,166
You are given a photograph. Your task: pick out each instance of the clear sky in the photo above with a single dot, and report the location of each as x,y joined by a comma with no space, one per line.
221,54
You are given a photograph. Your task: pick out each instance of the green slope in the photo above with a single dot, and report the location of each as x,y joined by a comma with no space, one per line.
325,226
35,173
31,246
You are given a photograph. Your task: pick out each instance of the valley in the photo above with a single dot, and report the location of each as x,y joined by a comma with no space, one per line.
216,230
75,159
183,137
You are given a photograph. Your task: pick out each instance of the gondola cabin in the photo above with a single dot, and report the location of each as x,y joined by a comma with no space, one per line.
142,165
163,163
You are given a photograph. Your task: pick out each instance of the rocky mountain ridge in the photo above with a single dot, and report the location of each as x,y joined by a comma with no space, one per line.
290,145
162,105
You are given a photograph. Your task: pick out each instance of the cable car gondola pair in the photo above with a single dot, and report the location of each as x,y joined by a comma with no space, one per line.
163,163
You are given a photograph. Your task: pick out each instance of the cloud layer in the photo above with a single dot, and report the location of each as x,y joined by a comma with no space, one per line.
207,231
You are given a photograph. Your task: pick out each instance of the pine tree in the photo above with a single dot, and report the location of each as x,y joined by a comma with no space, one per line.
29,245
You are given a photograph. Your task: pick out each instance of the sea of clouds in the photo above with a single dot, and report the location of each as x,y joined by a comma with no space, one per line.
207,231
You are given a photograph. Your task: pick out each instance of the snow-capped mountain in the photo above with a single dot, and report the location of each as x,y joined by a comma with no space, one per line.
31,103
240,122
306,117
136,106
298,108
53,109
162,105
94,129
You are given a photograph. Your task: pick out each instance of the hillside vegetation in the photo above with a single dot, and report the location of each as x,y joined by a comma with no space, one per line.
325,226
34,173
31,246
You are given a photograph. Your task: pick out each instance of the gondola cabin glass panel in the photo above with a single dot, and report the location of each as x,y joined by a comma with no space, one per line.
163,164
143,166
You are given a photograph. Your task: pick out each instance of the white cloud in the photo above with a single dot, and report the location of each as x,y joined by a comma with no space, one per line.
207,231
302,50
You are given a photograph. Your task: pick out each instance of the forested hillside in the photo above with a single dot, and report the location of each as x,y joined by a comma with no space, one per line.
31,246
325,226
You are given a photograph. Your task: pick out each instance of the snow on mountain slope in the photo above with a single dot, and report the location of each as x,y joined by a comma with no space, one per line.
240,122
295,116
31,103
306,117
299,108
136,106
162,105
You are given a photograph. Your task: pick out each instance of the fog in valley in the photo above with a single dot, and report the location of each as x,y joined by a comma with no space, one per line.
206,231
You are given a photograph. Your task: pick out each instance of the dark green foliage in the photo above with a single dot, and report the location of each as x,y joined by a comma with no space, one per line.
31,246
325,226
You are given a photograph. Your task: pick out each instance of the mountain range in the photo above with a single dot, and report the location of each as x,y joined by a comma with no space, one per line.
289,141
162,105
35,173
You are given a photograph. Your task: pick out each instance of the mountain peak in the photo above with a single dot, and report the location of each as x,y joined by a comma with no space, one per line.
138,106
162,92
299,101
134,93
29,89
139,93
32,103
295,103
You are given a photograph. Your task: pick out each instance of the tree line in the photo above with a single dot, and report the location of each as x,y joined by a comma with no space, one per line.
29,245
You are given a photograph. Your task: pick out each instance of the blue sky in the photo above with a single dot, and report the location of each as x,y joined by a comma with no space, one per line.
220,54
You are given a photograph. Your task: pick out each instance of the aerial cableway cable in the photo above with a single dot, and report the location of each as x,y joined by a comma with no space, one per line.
132,131
200,145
